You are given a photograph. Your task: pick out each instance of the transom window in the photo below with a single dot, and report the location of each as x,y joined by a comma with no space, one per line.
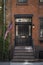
23,20
41,27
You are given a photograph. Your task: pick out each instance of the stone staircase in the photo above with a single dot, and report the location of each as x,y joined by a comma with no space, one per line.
23,54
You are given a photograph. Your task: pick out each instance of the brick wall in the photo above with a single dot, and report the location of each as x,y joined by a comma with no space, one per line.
32,7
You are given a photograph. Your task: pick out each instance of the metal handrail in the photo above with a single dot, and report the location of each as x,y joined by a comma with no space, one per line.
34,49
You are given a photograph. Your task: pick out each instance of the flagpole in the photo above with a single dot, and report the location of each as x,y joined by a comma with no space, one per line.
4,16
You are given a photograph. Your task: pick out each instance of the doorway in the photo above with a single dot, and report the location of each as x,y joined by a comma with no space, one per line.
23,28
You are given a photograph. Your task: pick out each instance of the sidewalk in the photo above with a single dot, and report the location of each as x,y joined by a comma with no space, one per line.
25,63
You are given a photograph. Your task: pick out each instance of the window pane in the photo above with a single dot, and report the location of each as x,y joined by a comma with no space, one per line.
41,27
23,20
22,1
41,33
41,23
41,0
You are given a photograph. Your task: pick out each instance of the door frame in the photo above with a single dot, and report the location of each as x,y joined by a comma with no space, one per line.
23,16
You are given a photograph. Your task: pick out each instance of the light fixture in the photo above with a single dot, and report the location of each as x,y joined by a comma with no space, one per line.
33,26
0,7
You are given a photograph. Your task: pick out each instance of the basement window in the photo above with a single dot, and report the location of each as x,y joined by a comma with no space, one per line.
21,1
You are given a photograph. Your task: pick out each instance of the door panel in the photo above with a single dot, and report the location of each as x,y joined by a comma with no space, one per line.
23,30
30,30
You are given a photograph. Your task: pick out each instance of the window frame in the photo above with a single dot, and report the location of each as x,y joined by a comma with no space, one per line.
41,3
41,38
21,3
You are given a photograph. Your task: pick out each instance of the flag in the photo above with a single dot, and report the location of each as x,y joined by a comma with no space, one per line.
8,30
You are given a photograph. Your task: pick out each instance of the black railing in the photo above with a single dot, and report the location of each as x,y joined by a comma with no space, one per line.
34,48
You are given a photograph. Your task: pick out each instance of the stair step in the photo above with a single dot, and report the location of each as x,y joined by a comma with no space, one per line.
24,57
23,50
24,60
22,47
24,54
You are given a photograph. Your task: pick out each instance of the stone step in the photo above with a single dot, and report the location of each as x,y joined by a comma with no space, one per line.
23,57
24,60
23,47
23,50
21,54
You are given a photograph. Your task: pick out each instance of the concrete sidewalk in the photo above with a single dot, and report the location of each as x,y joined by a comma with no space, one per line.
25,63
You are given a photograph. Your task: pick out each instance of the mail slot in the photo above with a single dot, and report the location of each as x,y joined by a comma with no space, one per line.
23,36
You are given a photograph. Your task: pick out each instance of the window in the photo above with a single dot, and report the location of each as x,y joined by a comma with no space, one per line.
23,20
21,1
41,27
41,1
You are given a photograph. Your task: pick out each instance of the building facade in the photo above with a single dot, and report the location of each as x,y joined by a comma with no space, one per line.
27,19
32,10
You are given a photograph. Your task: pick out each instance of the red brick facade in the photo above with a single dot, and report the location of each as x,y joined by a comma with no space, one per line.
32,7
